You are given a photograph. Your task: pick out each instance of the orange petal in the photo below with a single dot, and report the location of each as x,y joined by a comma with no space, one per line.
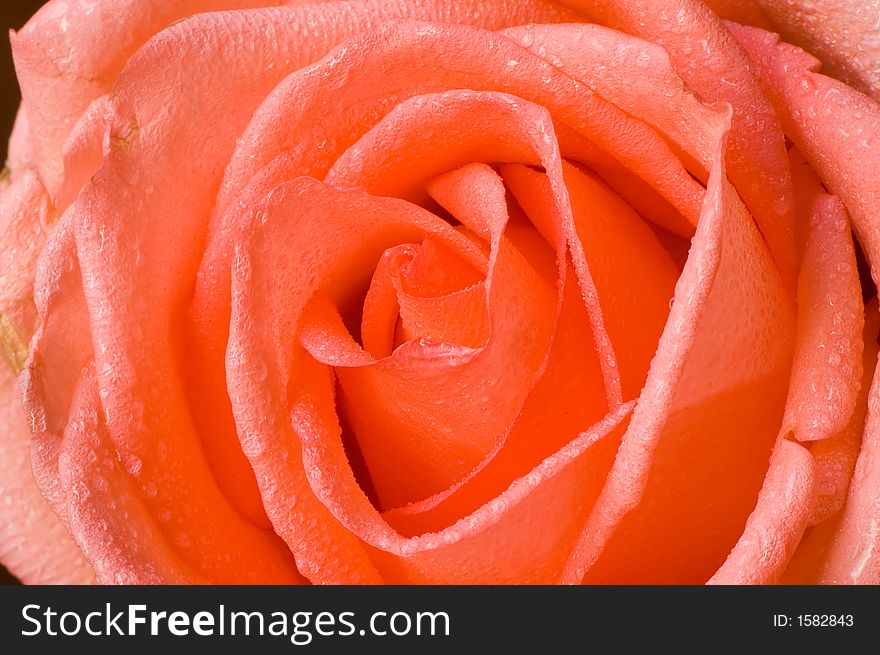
851,557
25,212
286,40
827,366
440,299
842,33
105,509
136,352
775,527
836,457
821,556
691,464
634,276
21,155
71,53
636,76
822,395
716,69
836,128
421,416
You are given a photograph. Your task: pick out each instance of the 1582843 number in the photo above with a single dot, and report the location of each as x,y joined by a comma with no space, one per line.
824,620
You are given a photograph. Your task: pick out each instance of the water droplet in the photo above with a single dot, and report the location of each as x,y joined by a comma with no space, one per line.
132,464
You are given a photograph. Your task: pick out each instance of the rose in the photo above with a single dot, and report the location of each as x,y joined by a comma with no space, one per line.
243,374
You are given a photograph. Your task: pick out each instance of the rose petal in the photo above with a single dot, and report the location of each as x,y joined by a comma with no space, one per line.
634,276
413,445
105,509
802,97
716,69
21,155
851,557
819,560
805,101
775,527
822,393
842,33
690,466
340,516
84,150
34,544
827,366
292,40
71,52
439,310
636,76
25,210
135,360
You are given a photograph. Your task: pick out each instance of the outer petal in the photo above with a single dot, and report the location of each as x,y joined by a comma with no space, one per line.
71,52
853,556
842,33
135,357
34,544
834,463
836,128
21,154
827,367
635,75
820,558
710,61
25,211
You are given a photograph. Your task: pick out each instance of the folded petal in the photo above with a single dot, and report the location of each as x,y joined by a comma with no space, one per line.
777,524
287,41
693,459
827,366
72,51
136,358
829,549
715,67
636,75
836,128
633,275
822,394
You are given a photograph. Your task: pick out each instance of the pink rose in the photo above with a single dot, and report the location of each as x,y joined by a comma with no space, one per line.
442,291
